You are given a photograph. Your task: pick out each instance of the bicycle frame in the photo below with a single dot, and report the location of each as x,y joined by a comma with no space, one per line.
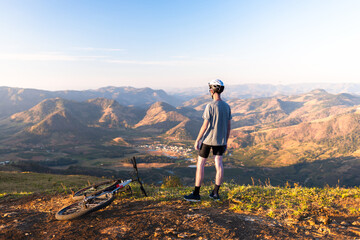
118,186
98,199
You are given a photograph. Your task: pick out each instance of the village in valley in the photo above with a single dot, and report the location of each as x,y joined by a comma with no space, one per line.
170,150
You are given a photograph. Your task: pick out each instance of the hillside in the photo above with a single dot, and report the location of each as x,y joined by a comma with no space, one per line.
198,103
159,113
58,120
293,129
246,212
99,111
331,138
13,100
185,130
134,219
116,115
179,123
61,119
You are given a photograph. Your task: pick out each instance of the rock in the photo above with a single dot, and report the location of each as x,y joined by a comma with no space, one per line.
9,214
312,222
249,219
343,223
186,235
182,235
170,230
194,209
192,216
115,230
324,230
354,230
324,219
356,223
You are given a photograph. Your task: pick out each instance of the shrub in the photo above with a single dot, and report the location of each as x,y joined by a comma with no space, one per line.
171,181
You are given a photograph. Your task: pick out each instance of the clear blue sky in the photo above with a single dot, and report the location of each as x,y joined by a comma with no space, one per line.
87,44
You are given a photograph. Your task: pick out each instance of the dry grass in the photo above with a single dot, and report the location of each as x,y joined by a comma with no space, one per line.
20,183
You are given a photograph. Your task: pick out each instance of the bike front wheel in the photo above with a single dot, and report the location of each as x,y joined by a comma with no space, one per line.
81,208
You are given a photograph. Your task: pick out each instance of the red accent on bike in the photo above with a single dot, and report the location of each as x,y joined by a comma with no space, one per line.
119,186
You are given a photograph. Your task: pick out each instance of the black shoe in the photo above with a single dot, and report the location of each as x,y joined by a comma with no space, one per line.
192,198
214,196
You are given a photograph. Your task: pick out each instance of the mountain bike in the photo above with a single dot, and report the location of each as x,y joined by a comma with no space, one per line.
98,196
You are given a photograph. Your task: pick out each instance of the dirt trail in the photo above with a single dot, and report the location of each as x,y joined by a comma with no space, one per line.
32,217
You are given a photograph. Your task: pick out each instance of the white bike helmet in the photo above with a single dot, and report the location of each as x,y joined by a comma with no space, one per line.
217,86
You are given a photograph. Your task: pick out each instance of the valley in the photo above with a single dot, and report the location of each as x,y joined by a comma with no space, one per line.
301,137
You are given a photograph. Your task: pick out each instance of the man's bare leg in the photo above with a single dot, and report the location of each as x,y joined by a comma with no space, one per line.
219,170
219,177
195,195
200,171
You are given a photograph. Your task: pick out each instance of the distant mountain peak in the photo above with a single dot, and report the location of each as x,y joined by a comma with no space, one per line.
161,112
319,91
59,121
163,105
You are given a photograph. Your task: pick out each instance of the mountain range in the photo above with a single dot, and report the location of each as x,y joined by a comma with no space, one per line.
269,131
58,121
286,130
244,91
13,100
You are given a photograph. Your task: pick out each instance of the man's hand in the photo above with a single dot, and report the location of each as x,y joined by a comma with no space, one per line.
203,128
197,145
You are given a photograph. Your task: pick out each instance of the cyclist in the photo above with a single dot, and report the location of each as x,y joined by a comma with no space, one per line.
213,134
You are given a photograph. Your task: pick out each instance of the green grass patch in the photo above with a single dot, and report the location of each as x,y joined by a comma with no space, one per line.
23,183
295,202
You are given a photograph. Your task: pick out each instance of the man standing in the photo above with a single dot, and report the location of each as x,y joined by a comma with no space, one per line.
213,134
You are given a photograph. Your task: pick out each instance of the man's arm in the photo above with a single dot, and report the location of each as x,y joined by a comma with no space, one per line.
228,130
201,133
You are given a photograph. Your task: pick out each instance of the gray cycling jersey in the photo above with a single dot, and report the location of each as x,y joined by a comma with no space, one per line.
218,113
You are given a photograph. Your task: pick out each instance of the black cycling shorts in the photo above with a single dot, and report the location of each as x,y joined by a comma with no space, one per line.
217,150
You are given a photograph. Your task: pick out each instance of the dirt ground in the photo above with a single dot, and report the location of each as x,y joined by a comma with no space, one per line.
33,217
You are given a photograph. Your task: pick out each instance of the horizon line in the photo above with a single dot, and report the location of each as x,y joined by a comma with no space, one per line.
172,89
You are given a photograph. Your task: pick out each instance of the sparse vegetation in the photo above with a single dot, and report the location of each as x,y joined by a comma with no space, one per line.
171,181
318,212
296,203
291,203
17,184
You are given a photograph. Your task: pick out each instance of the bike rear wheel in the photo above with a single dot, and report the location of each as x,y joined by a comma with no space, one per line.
93,189
81,208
